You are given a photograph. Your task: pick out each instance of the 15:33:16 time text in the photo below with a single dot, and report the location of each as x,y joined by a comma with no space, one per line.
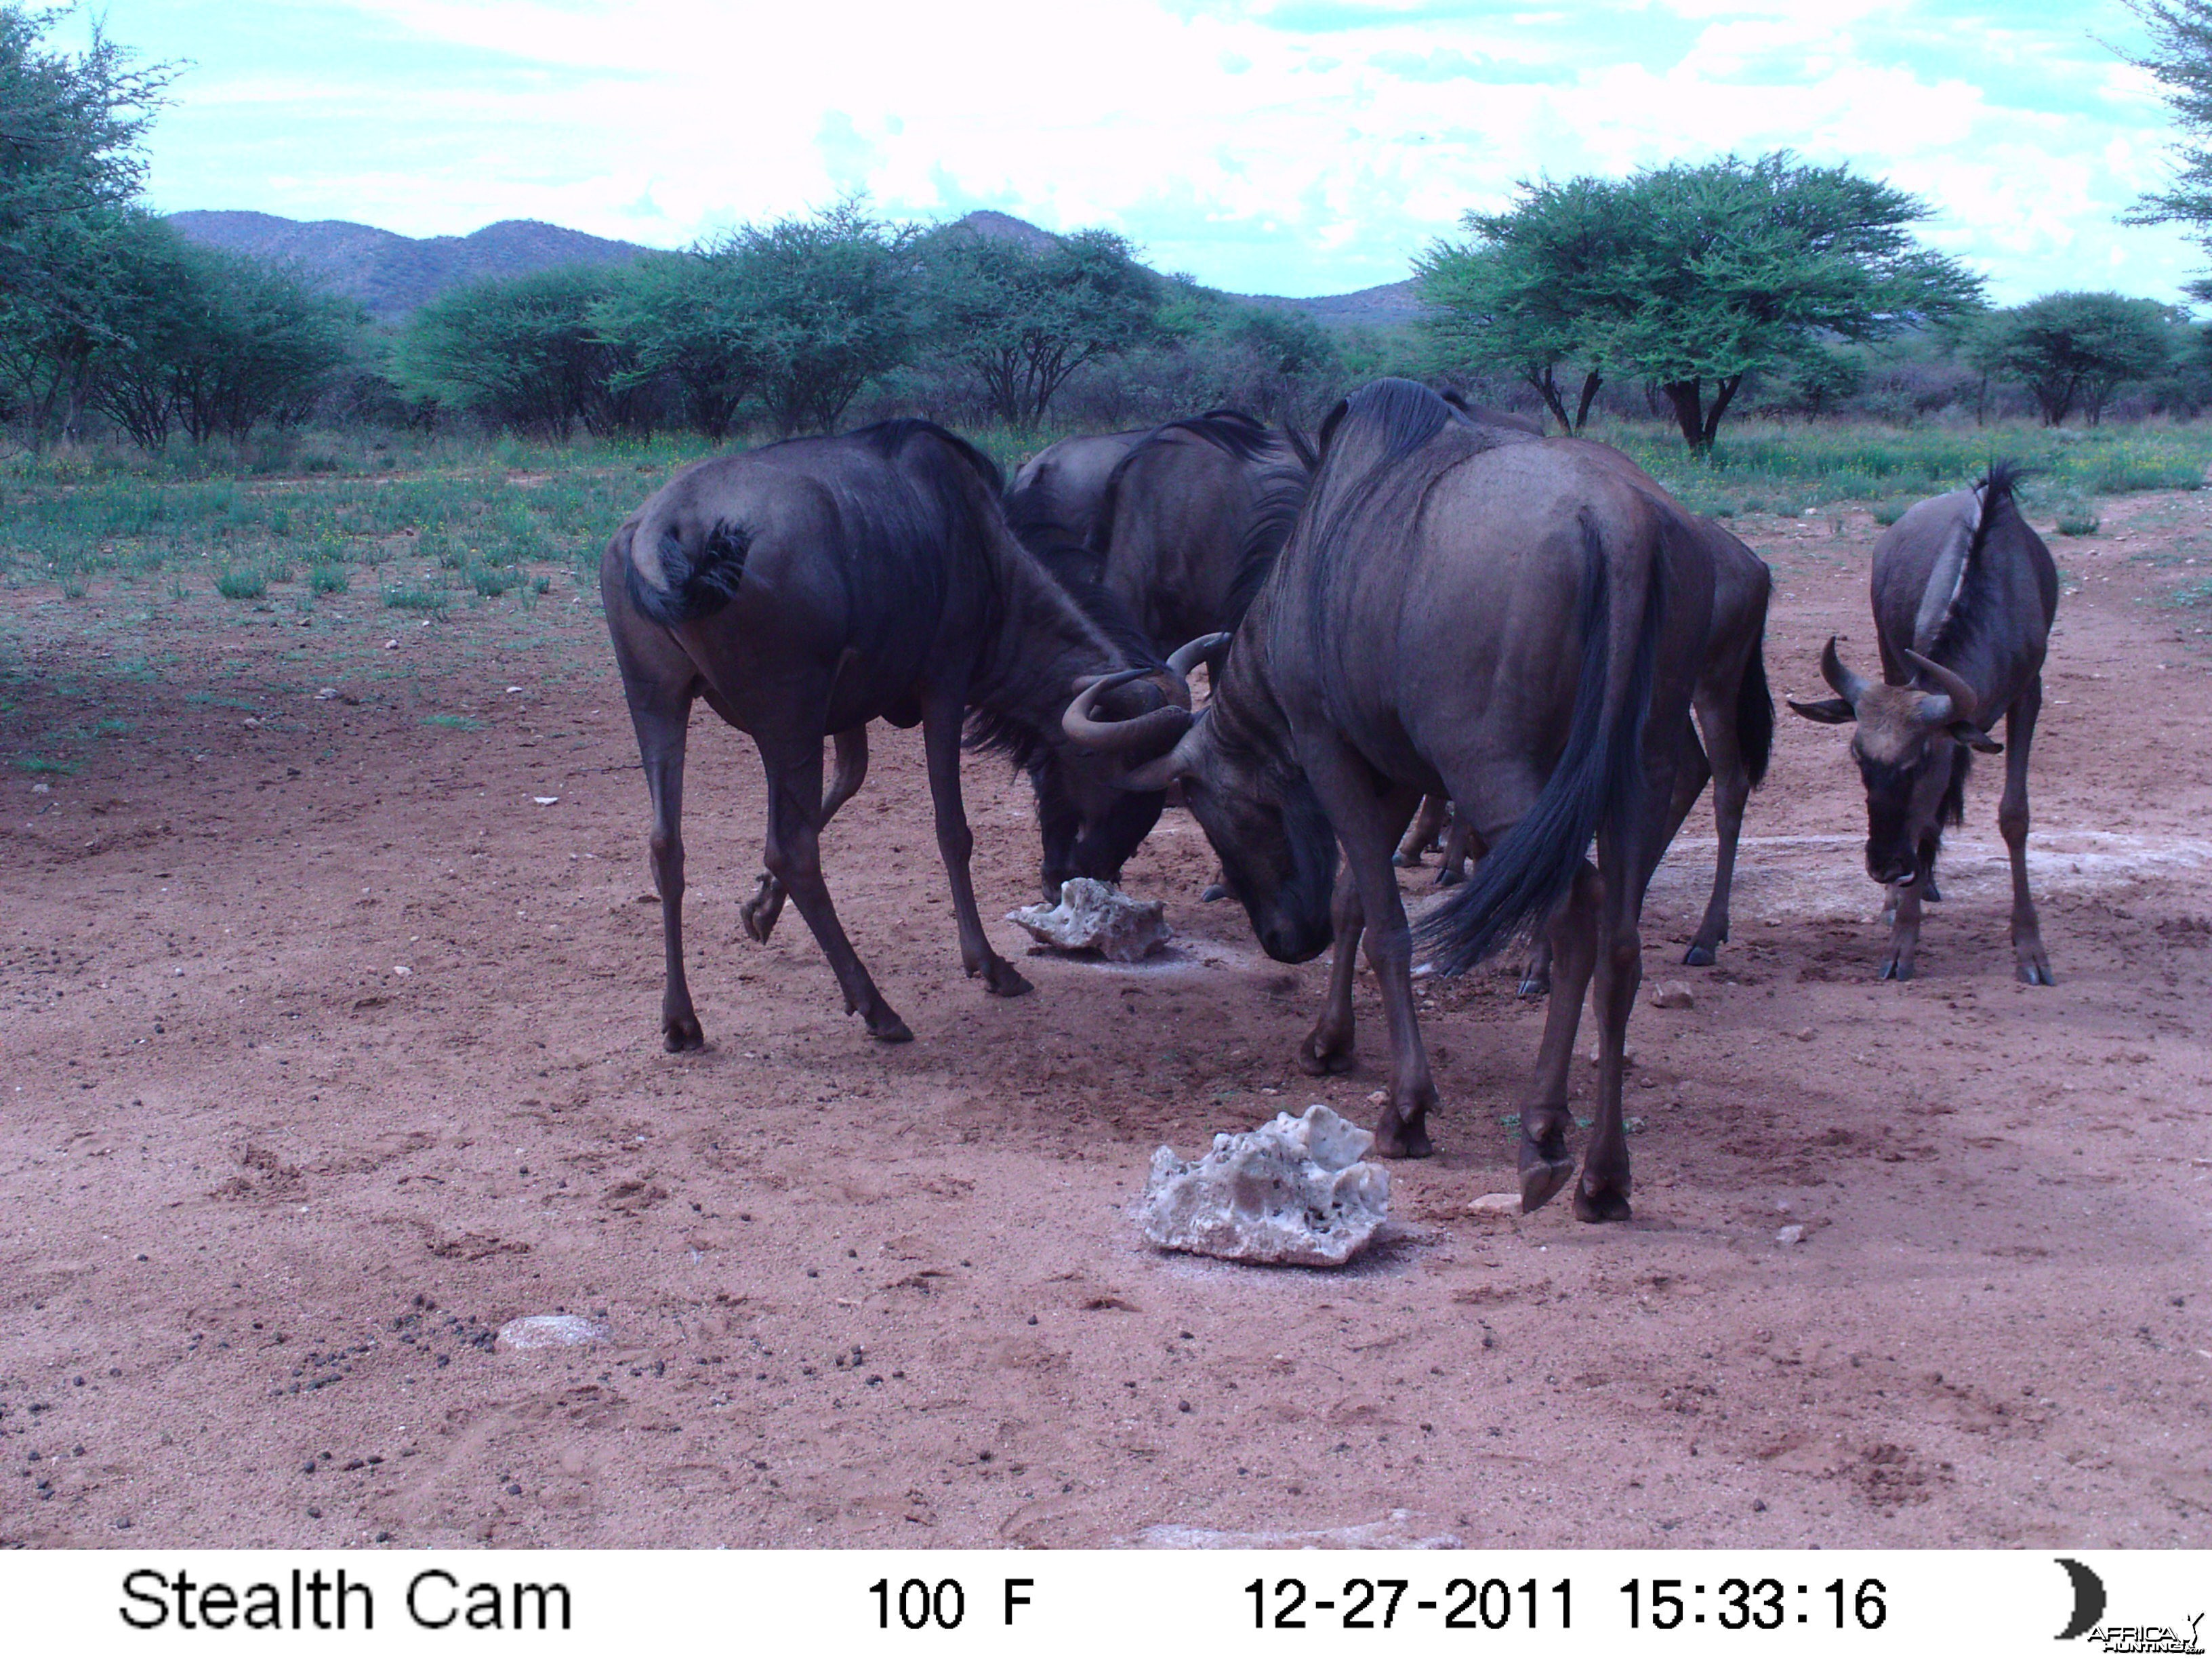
1377,1603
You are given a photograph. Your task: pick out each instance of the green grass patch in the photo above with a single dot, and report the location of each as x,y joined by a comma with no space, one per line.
414,599
39,764
2076,520
328,578
490,582
241,584
454,723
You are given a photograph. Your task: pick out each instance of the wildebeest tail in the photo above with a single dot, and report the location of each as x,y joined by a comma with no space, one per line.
1531,870
700,572
1754,717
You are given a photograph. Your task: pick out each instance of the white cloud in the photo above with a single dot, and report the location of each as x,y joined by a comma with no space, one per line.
1312,147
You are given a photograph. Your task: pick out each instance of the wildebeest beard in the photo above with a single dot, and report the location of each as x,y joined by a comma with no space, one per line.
1903,836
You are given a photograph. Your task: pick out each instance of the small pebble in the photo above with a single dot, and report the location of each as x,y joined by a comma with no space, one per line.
1792,1234
1673,994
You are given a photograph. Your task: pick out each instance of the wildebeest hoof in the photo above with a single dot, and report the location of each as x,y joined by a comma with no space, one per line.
1450,876
1700,955
1406,860
1928,895
2035,971
1321,1057
887,1027
1897,968
1001,980
1214,893
1396,1139
759,913
1541,1179
1537,984
682,1034
1608,1203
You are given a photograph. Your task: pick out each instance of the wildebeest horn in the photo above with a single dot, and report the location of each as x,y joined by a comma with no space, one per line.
1960,694
1846,683
1145,731
1189,656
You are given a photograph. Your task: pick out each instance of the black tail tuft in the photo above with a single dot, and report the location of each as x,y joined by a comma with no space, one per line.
1531,870
1754,717
700,580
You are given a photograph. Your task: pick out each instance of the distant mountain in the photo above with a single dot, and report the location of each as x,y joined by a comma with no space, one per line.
392,275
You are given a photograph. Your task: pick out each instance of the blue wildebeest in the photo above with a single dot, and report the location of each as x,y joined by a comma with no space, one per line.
1183,529
1474,612
808,587
1734,716
1963,596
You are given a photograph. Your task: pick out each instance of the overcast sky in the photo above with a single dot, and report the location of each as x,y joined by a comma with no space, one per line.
1269,146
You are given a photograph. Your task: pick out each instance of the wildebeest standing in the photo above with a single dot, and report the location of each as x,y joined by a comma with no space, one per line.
1184,528
1734,708
806,588
1479,612
1963,596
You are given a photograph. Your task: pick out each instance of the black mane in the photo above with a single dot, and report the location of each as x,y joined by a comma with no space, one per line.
1980,604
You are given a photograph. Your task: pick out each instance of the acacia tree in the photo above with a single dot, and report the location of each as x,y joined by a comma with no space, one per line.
2181,56
1025,320
2069,348
1521,293
71,168
525,352
694,320
836,296
1692,277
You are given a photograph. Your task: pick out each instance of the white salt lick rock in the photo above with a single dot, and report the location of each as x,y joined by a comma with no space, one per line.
1096,915
1293,1192
552,1331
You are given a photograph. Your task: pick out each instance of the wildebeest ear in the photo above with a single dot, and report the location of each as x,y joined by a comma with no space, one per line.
1974,738
1829,711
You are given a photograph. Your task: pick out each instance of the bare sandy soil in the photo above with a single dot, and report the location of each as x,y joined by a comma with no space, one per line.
328,1050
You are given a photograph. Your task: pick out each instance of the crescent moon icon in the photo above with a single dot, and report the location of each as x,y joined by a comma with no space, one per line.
2088,1599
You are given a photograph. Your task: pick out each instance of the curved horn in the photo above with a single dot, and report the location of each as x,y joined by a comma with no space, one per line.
1112,737
1178,763
1189,656
1845,682
1962,695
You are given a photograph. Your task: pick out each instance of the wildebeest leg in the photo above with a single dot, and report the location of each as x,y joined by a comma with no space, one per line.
662,727
794,858
1458,843
1368,819
1602,1193
941,733
2033,967
759,913
1428,825
1720,758
1545,1163
1328,1047
1903,933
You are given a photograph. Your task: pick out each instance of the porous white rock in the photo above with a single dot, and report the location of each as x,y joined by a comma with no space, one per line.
1292,1192
1096,915
551,1331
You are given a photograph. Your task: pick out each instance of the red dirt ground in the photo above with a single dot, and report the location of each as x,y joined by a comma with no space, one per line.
328,1050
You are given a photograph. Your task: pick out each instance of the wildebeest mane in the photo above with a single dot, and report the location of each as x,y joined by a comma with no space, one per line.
1402,416
1976,603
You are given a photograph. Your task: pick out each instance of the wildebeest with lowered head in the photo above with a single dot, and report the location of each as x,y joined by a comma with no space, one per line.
808,587
1185,527
1483,613
1963,595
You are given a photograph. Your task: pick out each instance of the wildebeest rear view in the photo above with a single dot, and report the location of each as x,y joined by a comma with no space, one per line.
804,589
1472,611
